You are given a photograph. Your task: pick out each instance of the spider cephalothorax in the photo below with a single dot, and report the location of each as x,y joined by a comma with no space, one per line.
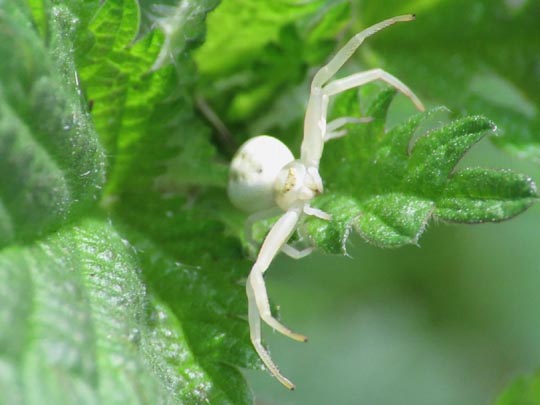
265,180
296,184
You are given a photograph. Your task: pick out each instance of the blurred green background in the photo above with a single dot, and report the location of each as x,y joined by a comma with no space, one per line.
452,321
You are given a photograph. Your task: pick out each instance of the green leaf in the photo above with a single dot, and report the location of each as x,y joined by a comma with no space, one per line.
523,391
481,195
74,321
128,300
51,164
388,184
78,325
476,57
162,161
145,117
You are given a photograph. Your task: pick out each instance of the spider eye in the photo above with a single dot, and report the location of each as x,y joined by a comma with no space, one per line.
291,180
296,184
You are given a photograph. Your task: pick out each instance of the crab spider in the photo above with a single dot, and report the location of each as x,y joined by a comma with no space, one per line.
265,180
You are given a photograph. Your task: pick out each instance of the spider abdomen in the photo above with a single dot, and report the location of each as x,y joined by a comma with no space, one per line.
253,172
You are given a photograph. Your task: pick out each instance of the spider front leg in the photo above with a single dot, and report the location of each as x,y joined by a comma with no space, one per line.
286,248
258,303
255,334
295,253
252,220
317,131
315,127
273,243
361,78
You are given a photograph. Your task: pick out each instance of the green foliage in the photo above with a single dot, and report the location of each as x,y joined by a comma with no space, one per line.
128,300
242,67
121,265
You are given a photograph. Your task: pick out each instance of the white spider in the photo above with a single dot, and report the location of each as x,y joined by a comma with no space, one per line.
265,180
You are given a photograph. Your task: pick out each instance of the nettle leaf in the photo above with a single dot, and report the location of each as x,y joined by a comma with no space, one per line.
178,21
129,300
163,159
486,66
143,115
74,321
51,164
387,185
96,334
194,268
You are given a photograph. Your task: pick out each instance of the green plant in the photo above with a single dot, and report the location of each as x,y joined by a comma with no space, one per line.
122,261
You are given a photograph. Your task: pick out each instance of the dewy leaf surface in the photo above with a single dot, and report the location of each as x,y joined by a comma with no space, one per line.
51,164
73,321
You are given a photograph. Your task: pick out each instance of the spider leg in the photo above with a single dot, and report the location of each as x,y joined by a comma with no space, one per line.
256,288
315,118
255,332
361,78
333,127
295,253
330,69
336,124
253,219
315,212
256,283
